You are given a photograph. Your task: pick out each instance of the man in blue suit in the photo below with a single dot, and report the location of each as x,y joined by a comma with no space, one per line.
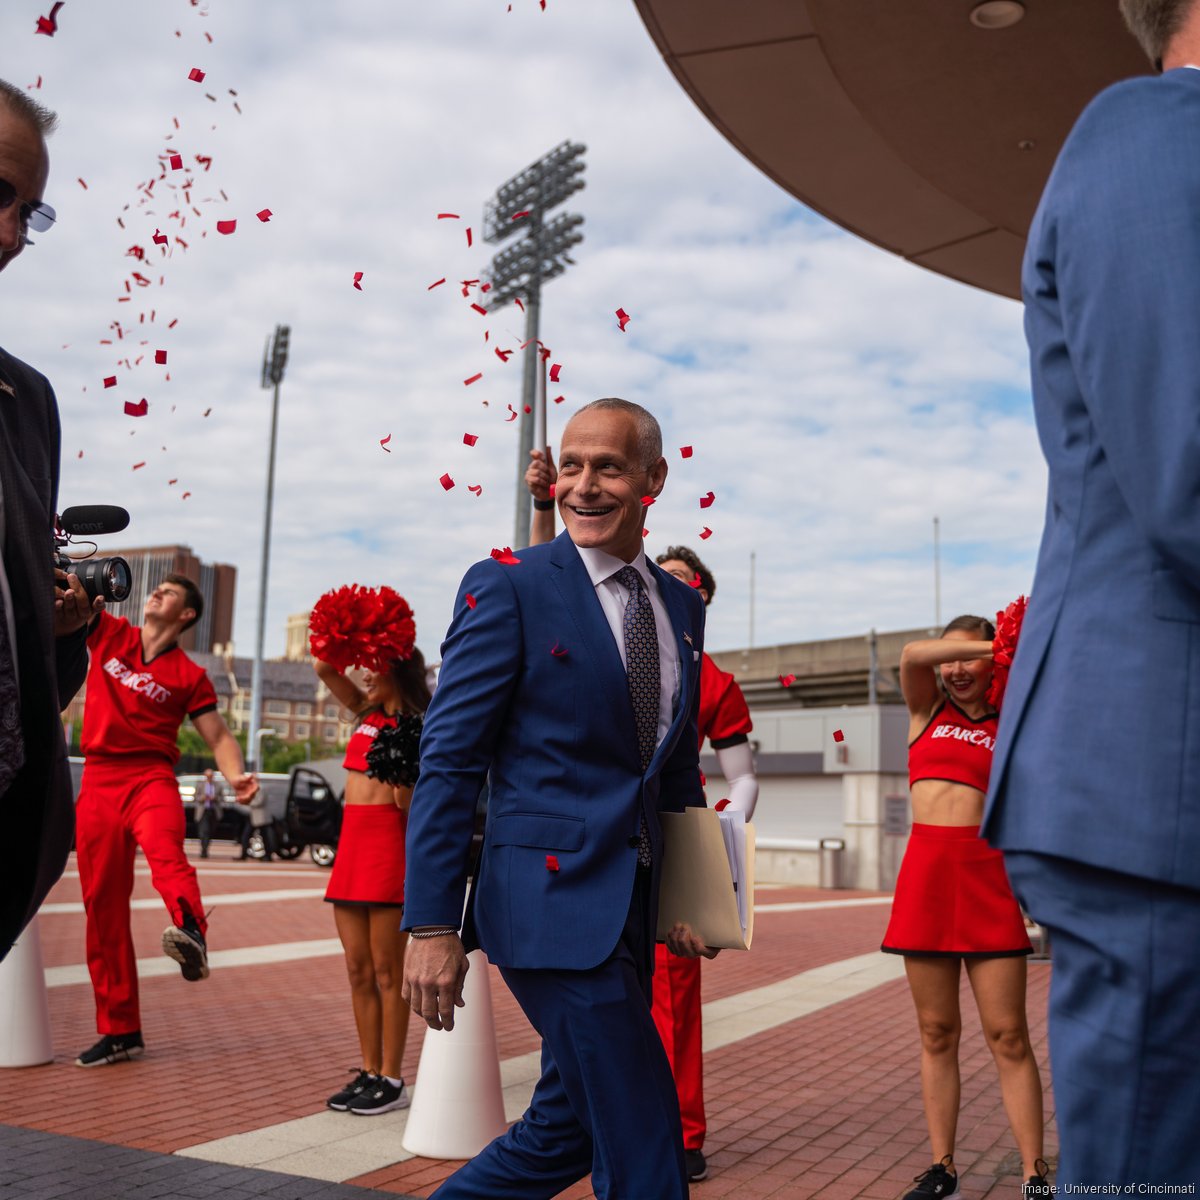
1095,793
569,679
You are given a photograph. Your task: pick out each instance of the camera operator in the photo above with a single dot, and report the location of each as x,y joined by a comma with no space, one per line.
141,686
43,657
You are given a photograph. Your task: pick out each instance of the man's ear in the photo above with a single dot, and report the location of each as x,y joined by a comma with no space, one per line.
188,615
658,476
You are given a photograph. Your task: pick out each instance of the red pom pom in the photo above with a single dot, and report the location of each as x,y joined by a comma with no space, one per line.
1004,646
361,627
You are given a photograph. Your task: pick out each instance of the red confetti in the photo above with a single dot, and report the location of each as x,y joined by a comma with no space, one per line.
110,381
706,501
722,804
787,680
551,490
471,601
384,442
185,495
645,533
196,75
551,862
522,213
448,216
49,25
623,319
503,355
80,454
358,281
136,410
517,302
176,162
506,556
685,452
695,581
513,411
480,309
559,399
554,370
469,439
476,488
647,501
264,214
160,238
446,482
838,735
705,534
528,408
172,482
137,466
558,651
474,379
437,284
206,412
226,226
83,184
468,237
160,357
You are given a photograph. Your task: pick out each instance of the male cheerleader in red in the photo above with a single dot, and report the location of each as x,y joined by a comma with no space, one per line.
140,686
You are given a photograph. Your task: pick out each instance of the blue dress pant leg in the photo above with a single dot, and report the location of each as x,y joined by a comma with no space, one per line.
1124,1020
605,1102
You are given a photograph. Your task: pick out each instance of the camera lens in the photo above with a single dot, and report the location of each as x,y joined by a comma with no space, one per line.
107,577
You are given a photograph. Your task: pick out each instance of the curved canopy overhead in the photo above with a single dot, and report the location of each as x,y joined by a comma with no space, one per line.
901,120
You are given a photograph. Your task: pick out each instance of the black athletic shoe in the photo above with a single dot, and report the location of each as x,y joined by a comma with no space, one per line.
380,1097
112,1048
938,1183
186,946
355,1088
1038,1185
697,1168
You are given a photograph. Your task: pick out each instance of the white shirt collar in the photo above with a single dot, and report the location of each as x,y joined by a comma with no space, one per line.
601,565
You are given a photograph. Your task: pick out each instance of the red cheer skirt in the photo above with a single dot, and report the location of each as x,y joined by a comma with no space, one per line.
953,898
369,867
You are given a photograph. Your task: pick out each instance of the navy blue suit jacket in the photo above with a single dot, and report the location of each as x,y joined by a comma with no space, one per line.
555,735
1098,754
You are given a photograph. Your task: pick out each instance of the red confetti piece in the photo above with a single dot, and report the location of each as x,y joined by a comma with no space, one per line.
437,284
722,804
474,379
446,482
468,237
49,25
518,216
469,439
264,215
558,651
506,556
226,226
176,162
136,410
559,399
480,309
160,357
206,412
554,370
471,601
196,75
551,490
623,319
358,280
110,381
160,238
137,466
647,501
513,417
80,454
705,534
517,302
551,862
172,482
83,184
706,501
838,735
645,533
685,452
185,495
384,442
503,355
787,680
695,581
173,323
448,216
476,488
528,408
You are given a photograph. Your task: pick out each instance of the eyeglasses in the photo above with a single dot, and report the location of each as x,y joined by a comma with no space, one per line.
38,217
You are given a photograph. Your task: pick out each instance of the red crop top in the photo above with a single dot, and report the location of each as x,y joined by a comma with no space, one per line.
954,747
361,739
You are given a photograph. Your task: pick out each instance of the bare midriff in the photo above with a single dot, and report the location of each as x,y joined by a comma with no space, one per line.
940,802
362,789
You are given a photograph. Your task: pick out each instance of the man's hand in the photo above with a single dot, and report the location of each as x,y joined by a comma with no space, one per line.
72,608
434,970
245,787
541,474
683,942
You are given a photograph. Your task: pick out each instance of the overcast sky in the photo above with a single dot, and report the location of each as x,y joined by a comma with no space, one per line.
836,397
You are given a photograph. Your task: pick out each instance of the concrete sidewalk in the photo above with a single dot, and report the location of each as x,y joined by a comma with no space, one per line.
811,1063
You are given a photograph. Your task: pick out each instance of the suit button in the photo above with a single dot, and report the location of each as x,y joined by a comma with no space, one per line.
634,842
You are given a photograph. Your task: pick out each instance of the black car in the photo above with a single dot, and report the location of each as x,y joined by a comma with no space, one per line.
313,816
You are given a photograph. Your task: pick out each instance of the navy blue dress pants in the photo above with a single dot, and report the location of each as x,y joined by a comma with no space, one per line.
1124,1020
605,1102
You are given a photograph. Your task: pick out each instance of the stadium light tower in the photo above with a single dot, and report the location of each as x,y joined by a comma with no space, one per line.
275,358
519,207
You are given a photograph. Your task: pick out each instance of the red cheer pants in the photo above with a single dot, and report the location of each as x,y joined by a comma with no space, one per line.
122,805
677,1016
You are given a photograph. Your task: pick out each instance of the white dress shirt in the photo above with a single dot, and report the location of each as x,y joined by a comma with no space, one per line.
613,597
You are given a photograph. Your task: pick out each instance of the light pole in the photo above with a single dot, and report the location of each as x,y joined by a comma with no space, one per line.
520,206
274,361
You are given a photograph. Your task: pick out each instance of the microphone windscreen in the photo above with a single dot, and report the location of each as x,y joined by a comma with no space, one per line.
83,520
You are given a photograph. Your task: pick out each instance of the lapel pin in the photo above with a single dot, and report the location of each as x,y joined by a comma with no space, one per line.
687,637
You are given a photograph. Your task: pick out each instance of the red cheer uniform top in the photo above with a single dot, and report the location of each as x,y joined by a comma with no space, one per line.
134,708
954,747
362,738
724,718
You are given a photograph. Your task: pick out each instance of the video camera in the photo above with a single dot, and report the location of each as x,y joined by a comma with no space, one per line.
107,577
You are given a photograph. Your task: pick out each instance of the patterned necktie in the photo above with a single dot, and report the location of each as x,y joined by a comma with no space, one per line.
645,681
12,744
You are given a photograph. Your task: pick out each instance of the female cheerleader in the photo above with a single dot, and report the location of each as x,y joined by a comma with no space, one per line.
953,904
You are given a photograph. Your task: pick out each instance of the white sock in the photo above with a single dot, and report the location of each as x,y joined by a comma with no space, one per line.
395,1082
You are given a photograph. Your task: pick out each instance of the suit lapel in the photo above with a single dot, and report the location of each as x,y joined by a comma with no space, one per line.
684,636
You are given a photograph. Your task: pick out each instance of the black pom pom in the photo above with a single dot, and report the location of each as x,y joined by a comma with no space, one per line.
395,755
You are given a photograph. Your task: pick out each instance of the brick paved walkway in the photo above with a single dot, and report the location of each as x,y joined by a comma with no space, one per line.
827,1105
